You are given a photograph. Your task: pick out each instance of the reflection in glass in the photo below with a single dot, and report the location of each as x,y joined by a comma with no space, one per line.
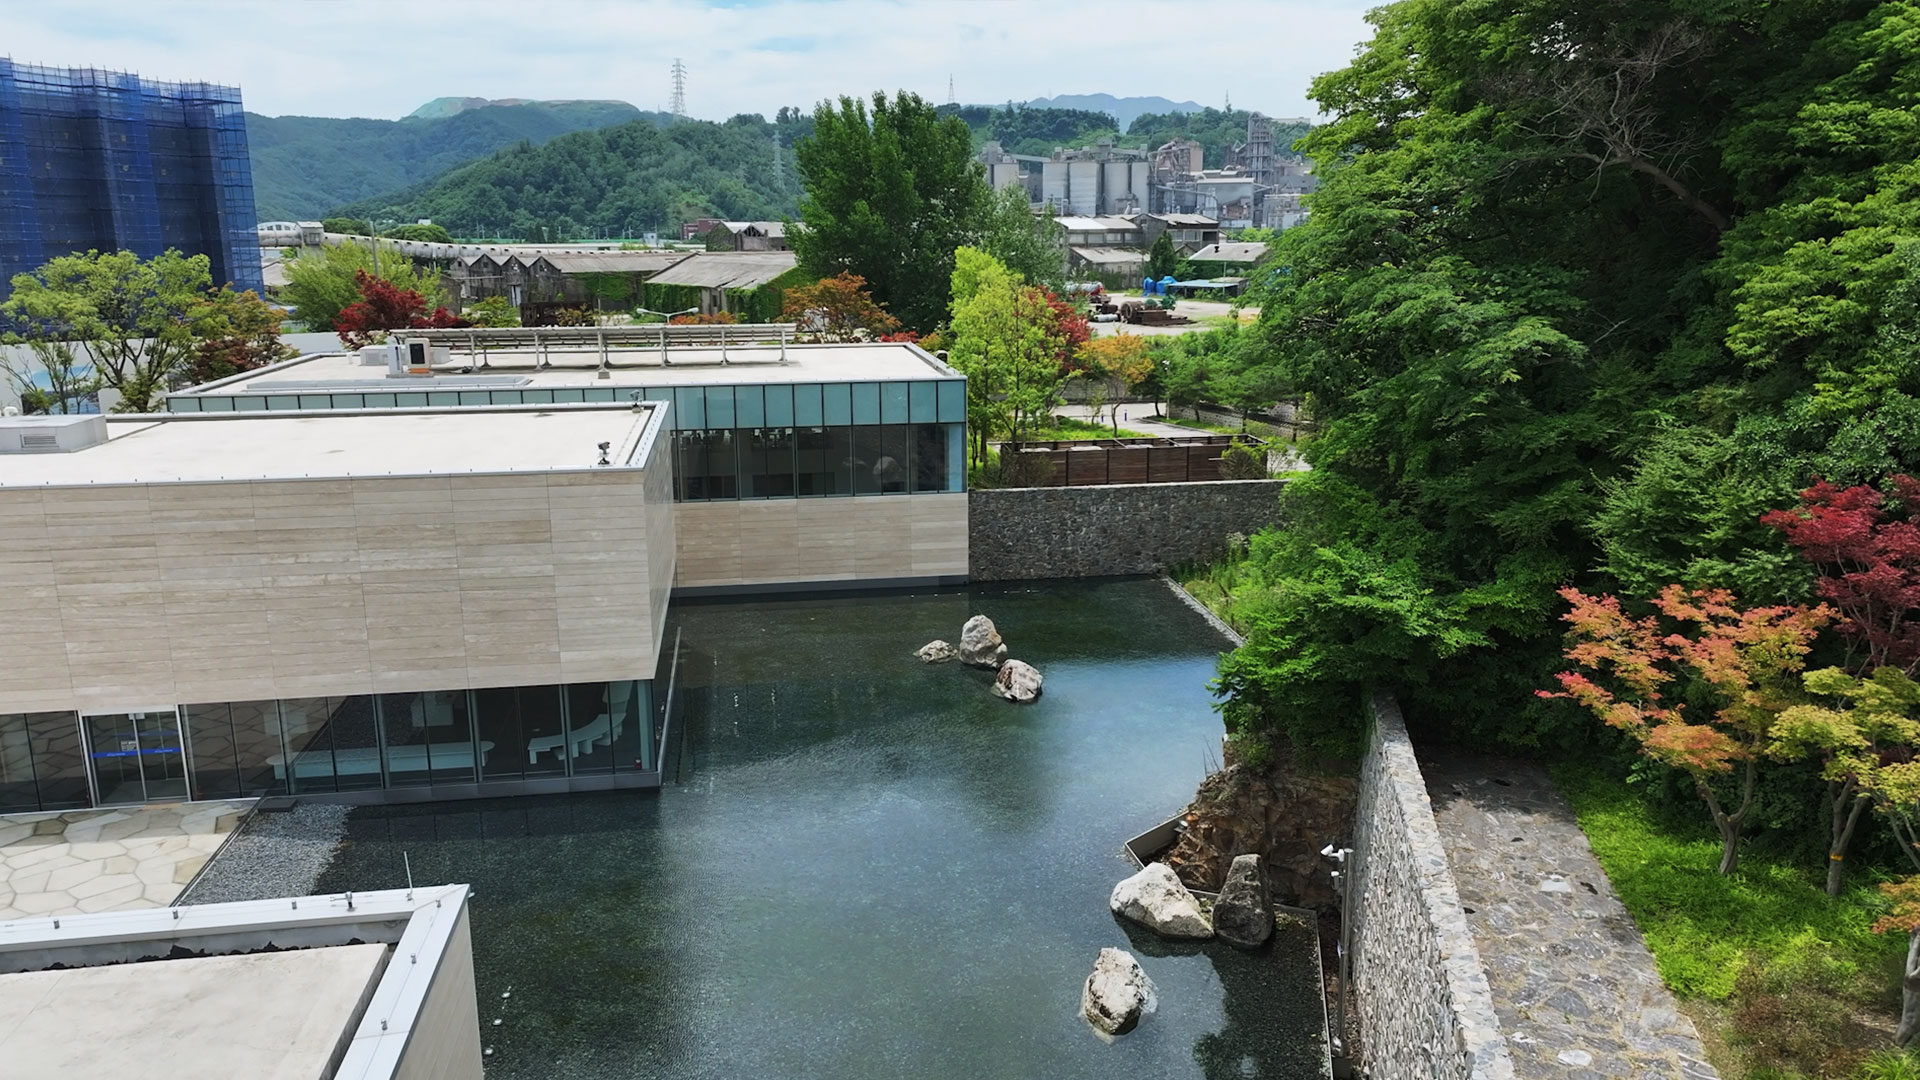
767,471
429,738
307,763
59,760
256,743
590,726
356,746
929,457
17,790
825,460
210,738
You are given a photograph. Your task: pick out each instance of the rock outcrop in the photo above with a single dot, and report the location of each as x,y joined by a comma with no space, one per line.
1243,915
1117,994
1284,813
1017,681
937,652
980,644
1157,900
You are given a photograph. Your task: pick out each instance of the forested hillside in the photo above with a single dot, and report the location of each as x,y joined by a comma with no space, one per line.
621,180
1583,295
307,166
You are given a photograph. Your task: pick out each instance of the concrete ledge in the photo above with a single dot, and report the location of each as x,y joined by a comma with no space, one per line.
1424,1004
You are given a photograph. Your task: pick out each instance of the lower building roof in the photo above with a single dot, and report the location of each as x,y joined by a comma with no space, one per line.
202,447
258,1016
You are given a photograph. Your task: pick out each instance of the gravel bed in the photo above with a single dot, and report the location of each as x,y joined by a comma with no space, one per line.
279,854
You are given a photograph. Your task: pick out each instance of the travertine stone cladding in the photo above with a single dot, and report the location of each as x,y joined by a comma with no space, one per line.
1424,1005
1071,532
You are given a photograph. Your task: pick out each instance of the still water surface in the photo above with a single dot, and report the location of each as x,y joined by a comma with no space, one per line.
868,867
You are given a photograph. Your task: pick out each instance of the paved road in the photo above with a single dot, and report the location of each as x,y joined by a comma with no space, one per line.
1137,419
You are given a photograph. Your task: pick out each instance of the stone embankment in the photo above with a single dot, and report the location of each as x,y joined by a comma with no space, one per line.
1283,814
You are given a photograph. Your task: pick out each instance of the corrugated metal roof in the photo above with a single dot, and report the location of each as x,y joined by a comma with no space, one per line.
1241,253
727,269
1111,256
1187,220
765,228
615,262
1073,223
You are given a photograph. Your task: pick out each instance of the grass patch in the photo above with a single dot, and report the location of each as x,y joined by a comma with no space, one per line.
1068,427
1803,984
1202,425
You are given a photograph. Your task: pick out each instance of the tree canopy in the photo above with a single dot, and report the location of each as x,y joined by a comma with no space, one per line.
1583,293
891,191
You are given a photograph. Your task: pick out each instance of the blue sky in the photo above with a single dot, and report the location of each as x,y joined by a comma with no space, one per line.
382,59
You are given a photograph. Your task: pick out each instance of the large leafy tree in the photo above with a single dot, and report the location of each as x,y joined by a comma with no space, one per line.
1567,267
320,287
1013,342
890,193
1026,243
134,317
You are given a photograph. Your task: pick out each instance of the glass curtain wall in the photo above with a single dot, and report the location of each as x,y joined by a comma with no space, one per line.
318,745
42,763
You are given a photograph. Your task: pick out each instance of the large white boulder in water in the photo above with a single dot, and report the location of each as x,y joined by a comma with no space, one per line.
1017,681
937,652
1155,898
1117,994
980,644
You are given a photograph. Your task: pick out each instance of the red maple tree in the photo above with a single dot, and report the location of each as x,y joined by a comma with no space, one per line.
1870,563
385,306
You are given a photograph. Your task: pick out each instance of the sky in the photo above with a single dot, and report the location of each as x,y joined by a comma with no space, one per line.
384,59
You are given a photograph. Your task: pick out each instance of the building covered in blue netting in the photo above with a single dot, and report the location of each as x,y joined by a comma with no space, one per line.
106,161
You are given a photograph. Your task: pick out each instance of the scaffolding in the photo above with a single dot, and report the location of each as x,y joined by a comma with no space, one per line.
94,160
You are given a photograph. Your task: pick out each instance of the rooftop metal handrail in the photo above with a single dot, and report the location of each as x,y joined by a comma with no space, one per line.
664,336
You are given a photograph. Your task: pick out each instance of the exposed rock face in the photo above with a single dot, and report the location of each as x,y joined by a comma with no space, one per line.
1284,814
937,652
1017,681
1243,915
1156,899
980,644
1117,994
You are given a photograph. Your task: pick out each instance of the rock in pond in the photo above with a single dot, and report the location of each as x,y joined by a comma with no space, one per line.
1117,994
1156,899
980,644
1017,681
1243,916
937,652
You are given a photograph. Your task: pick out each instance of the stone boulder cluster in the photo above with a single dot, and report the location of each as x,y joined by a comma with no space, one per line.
1118,992
981,646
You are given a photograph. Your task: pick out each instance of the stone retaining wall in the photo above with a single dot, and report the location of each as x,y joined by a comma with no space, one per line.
1072,532
1421,993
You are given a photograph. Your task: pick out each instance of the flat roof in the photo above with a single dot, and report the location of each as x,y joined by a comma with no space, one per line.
258,1016
200,447
578,366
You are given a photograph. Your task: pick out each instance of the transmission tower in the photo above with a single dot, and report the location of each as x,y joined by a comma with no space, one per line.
779,166
950,89
678,106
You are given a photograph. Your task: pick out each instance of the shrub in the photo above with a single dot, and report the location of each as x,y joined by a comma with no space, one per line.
1243,461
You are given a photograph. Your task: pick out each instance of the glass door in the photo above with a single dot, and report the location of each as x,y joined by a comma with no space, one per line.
136,757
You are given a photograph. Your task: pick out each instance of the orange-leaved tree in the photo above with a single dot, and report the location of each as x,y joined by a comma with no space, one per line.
837,309
1116,359
1699,685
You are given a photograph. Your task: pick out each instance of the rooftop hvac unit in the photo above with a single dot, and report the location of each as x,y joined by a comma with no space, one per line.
56,434
419,356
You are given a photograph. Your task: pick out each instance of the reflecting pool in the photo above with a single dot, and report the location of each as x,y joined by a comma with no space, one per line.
867,866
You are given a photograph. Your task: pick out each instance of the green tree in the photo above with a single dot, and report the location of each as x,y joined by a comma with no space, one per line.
233,332
492,311
70,379
346,226
1026,243
1161,257
133,316
320,286
1007,339
1564,268
889,195
430,234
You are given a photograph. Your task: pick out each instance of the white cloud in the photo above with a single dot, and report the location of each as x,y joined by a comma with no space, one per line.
362,58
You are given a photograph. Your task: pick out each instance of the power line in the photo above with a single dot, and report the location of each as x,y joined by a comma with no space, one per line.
678,106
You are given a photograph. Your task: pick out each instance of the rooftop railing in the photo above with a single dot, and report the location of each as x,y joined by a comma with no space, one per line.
608,341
